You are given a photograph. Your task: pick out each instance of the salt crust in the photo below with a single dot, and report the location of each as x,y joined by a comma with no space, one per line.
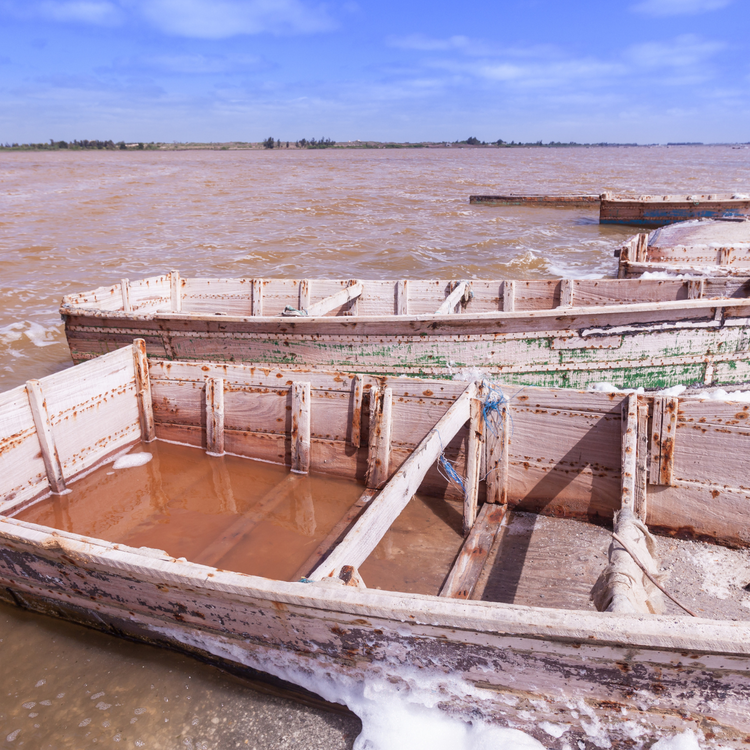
131,460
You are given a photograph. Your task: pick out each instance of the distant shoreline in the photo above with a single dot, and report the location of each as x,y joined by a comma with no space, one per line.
304,145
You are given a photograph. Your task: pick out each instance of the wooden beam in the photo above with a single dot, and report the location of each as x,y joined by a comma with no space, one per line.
352,307
725,255
301,428
641,248
459,292
257,304
567,292
304,294
629,458
212,554
125,289
358,392
334,536
50,456
379,445
472,558
175,291
662,437
143,391
696,288
336,300
473,462
367,532
509,296
497,444
215,416
640,505
402,297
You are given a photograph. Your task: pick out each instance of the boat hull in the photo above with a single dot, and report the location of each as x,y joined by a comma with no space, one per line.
658,213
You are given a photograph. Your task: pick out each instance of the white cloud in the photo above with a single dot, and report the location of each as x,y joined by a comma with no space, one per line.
97,12
424,43
678,7
219,19
686,51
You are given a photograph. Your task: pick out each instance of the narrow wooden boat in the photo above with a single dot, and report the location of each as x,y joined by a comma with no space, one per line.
713,247
657,210
536,201
483,592
570,333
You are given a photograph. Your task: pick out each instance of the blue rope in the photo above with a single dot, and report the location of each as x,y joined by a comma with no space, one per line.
448,470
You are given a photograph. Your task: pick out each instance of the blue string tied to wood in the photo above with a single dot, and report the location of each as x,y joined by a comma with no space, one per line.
447,470
493,406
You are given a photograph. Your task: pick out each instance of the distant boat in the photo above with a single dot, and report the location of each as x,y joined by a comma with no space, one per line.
709,247
533,597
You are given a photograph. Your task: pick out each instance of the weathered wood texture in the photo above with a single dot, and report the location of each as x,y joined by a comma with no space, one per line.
536,201
656,211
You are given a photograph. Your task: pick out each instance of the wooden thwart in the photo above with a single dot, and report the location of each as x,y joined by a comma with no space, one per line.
335,300
460,293
50,456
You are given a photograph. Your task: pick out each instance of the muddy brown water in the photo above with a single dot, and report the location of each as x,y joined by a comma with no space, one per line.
75,221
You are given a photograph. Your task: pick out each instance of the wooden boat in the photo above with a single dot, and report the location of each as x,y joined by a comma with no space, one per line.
657,210
497,623
549,332
713,247
536,201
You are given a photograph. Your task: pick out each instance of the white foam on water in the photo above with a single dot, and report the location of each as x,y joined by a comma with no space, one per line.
36,333
131,460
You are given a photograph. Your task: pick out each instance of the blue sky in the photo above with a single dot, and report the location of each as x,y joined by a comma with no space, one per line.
215,70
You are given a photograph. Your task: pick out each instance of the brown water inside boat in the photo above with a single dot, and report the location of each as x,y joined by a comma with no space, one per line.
75,221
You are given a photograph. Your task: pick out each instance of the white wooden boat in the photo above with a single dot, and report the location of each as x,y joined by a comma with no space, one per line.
708,247
653,333
538,655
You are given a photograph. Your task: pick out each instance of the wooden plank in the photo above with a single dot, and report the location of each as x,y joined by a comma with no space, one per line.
335,534
509,296
367,532
696,288
175,291
567,292
352,307
379,447
304,294
50,455
471,560
497,446
143,390
654,475
125,290
454,298
640,505
229,539
257,308
402,297
668,433
629,451
335,300
725,256
301,428
473,462
641,248
215,416
358,392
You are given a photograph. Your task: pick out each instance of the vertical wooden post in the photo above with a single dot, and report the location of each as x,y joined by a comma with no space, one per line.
695,288
50,456
402,297
352,307
215,416
641,475
641,248
304,294
125,288
175,291
629,456
358,386
301,428
379,447
473,461
509,296
622,265
725,255
567,292
143,391
257,297
497,445
662,439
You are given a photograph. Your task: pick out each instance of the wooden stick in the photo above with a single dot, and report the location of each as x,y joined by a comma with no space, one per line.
668,434
358,392
125,288
470,562
336,300
725,256
402,297
304,294
379,446
654,475
641,248
50,456
497,446
215,416
649,576
509,296
629,457
567,292
367,532
175,291
143,391
473,461
641,475
450,302
257,304
301,428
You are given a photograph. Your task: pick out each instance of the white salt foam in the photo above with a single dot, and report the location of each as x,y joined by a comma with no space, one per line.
685,741
131,460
